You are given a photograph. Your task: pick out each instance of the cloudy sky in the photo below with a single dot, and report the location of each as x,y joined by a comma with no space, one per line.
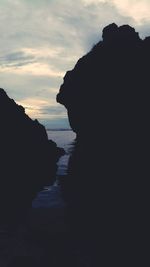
41,39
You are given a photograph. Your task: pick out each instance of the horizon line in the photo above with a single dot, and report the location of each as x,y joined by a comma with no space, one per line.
58,129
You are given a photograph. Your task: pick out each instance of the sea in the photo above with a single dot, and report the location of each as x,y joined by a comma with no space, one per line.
21,246
64,139
50,196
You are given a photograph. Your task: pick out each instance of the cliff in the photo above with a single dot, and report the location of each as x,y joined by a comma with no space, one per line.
107,99
27,158
108,81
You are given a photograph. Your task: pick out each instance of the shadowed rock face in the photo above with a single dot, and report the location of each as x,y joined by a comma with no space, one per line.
27,158
107,99
108,81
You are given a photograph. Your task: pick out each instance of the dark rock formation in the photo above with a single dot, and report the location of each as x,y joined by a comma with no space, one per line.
107,99
115,67
27,158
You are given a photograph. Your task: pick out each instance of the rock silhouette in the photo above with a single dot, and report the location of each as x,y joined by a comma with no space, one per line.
107,99
27,159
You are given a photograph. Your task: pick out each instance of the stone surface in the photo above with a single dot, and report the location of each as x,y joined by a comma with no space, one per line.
27,158
107,99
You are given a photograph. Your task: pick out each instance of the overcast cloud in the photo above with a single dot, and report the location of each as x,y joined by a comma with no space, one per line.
41,40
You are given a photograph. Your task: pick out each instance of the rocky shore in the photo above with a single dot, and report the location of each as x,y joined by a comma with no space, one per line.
106,190
106,96
27,160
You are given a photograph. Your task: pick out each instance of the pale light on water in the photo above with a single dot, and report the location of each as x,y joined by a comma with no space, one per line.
51,196
65,140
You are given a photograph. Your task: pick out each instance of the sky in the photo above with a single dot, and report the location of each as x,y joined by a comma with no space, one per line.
42,39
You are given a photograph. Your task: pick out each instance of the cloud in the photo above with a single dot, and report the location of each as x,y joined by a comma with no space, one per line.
16,57
42,108
34,69
137,9
30,61
41,40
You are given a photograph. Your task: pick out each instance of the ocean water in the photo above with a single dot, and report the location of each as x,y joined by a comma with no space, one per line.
47,213
64,139
50,197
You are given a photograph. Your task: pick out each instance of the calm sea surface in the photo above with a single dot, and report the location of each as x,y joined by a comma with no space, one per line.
14,243
64,139
51,196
